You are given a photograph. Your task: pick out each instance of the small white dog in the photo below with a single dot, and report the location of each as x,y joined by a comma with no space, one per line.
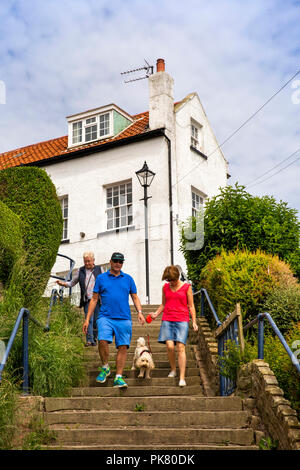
142,359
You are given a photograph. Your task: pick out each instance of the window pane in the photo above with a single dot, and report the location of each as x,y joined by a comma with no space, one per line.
119,211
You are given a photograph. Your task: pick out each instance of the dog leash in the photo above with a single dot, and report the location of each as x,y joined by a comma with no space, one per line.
148,336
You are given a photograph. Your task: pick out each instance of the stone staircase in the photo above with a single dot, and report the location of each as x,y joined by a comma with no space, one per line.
152,413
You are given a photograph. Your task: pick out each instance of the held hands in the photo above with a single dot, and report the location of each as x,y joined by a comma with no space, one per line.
154,315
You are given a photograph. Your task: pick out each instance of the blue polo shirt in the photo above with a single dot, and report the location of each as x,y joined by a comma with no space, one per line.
114,292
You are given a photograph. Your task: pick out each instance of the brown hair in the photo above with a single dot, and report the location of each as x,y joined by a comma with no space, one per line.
171,273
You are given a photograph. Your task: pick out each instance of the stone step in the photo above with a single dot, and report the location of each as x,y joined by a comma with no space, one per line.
142,382
182,419
137,391
157,355
142,447
170,403
157,372
141,435
159,364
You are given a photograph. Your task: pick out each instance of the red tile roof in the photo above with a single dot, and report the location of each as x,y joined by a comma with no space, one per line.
59,147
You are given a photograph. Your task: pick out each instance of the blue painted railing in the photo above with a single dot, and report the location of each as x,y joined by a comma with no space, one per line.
59,294
260,353
204,296
24,315
231,331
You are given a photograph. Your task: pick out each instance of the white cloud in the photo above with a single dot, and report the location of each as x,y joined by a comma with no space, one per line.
58,58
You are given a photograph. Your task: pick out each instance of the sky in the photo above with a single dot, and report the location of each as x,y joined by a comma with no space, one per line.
60,58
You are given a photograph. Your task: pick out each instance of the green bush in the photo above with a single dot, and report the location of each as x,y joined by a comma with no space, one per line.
10,242
275,355
280,363
245,278
237,220
31,195
283,304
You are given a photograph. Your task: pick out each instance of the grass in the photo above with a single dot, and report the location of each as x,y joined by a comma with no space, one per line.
55,364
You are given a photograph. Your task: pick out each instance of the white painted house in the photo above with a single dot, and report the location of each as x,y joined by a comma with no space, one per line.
94,166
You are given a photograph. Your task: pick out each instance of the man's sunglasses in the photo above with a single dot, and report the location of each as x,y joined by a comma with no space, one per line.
117,261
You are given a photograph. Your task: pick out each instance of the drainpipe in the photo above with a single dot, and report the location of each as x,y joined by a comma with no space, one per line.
170,197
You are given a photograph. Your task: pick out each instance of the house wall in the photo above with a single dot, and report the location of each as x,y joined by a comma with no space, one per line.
191,170
84,179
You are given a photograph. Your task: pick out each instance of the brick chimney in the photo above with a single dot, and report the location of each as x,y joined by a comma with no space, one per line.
161,101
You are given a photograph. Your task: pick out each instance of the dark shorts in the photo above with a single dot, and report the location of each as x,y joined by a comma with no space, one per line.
173,331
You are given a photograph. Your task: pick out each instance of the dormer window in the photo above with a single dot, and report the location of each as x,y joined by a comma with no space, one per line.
97,124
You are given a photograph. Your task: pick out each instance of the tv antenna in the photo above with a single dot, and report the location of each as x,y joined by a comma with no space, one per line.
148,71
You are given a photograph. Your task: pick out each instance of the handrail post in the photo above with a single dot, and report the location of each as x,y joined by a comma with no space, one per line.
202,303
25,353
260,336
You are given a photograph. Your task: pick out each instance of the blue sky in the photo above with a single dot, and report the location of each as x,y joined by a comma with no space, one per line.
59,58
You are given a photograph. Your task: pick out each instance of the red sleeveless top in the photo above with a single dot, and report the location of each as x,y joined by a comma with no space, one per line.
176,308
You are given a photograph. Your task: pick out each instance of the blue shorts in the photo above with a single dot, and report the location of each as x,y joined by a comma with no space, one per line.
173,331
110,327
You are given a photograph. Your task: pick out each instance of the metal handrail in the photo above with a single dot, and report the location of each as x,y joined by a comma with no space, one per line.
260,320
54,293
204,295
25,316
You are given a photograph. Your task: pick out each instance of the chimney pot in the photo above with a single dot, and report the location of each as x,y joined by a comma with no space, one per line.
160,65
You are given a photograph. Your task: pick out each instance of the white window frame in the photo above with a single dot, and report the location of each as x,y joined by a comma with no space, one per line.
198,201
121,207
64,204
86,124
196,135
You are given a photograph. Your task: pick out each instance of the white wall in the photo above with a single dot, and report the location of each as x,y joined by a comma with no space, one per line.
83,180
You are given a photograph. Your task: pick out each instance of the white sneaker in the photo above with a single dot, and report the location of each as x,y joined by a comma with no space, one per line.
172,373
182,383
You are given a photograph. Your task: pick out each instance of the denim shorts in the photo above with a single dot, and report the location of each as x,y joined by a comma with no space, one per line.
173,331
110,327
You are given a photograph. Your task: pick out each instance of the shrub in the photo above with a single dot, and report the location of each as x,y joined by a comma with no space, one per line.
234,358
283,304
235,219
245,278
10,242
280,363
31,195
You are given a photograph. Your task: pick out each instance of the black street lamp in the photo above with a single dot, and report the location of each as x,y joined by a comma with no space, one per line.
145,177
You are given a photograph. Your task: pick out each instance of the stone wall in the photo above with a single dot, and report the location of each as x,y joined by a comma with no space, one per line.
257,381
208,351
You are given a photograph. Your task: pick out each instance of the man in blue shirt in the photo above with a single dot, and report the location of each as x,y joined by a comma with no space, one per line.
114,320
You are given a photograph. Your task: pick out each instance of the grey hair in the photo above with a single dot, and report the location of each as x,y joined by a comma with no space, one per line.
88,254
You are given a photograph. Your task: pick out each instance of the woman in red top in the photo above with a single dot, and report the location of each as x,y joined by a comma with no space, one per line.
177,303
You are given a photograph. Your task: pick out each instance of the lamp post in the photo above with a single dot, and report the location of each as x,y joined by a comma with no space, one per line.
145,177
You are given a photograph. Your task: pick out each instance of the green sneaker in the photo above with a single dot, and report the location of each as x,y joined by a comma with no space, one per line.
103,374
120,383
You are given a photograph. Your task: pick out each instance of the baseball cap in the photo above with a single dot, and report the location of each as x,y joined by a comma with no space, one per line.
117,256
